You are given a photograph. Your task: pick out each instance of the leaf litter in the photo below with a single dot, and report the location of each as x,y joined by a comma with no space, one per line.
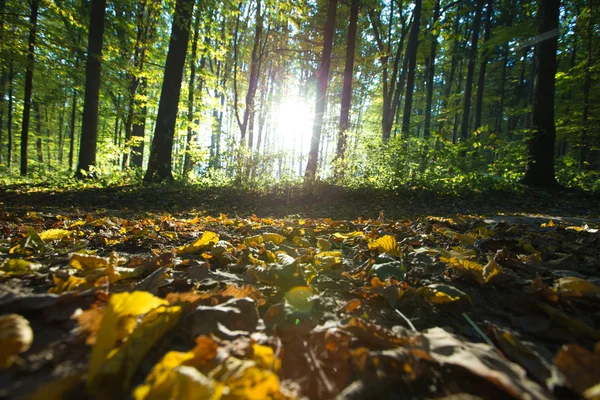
166,307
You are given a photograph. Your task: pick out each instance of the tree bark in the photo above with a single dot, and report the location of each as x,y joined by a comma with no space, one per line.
139,128
431,70
187,161
348,74
321,100
160,162
72,128
89,125
11,77
587,84
540,167
464,128
483,66
28,85
413,45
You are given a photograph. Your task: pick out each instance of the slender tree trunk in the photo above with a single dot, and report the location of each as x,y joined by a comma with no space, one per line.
2,88
2,80
431,70
89,126
139,128
587,84
72,128
540,167
28,85
187,161
11,77
38,135
61,139
464,129
48,138
483,66
160,162
413,45
348,74
500,116
323,82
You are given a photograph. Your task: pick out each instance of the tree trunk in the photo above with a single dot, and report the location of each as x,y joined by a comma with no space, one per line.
11,77
160,162
139,128
28,85
38,135
89,125
187,161
464,128
483,66
61,139
587,84
72,128
323,82
540,167
413,45
348,74
2,88
430,70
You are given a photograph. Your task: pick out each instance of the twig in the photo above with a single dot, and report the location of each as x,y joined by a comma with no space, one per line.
479,331
410,324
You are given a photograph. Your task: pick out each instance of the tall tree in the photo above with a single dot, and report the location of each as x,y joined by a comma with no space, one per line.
160,162
392,85
483,65
9,118
464,127
89,125
321,100
431,69
28,84
413,45
587,84
348,74
540,167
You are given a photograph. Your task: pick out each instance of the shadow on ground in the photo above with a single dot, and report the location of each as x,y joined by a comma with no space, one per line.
320,201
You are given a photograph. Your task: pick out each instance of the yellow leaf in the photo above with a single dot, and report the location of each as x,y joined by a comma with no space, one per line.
207,240
54,234
159,383
254,383
162,381
467,268
386,244
573,286
118,322
71,283
301,242
86,262
350,235
264,357
491,269
191,384
18,266
16,337
113,376
326,259
438,293
273,237
548,225
257,239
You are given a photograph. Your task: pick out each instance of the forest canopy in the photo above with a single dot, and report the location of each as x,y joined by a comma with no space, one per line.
361,93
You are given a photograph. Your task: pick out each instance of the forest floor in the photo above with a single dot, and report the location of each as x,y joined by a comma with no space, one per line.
177,291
